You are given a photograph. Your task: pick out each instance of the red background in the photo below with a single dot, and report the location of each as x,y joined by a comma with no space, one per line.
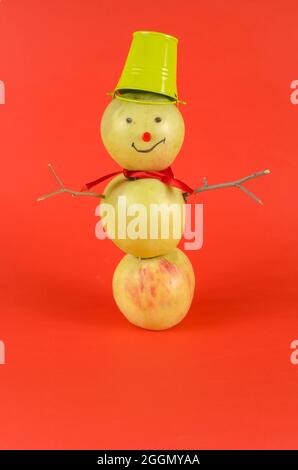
78,375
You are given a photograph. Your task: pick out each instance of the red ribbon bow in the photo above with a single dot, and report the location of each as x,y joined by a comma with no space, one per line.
166,176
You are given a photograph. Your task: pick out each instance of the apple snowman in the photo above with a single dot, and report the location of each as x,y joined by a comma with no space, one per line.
142,129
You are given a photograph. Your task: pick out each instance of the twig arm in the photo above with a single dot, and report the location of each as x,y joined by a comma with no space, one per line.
237,184
62,189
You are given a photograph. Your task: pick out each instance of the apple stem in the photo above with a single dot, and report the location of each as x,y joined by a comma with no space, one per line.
237,184
62,189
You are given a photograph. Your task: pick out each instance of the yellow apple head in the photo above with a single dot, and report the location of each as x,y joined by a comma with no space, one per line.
142,136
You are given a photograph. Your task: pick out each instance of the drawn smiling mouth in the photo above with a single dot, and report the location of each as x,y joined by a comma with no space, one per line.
151,148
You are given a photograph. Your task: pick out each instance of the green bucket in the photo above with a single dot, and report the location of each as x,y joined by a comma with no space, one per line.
151,66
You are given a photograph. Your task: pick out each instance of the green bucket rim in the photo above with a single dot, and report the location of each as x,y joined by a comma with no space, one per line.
175,101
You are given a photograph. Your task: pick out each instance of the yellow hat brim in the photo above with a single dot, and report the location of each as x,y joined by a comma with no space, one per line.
141,101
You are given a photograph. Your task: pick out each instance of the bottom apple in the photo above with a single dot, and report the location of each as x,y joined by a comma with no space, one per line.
154,293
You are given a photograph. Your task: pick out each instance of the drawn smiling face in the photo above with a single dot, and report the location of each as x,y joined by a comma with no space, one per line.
142,136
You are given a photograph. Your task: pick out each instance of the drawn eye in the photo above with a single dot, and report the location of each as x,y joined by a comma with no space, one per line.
129,120
157,119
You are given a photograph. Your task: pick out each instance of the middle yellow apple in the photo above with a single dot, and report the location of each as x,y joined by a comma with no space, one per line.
147,217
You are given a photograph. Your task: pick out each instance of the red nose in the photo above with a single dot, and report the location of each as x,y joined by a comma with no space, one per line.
146,136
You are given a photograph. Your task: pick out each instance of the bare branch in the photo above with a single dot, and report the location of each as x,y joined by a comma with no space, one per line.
55,175
237,184
253,196
62,189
